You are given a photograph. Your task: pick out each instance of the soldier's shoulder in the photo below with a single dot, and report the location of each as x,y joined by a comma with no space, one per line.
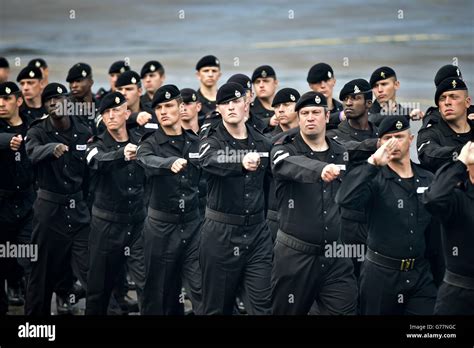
146,136
39,121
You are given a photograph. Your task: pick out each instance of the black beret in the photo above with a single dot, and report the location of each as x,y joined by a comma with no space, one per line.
263,72
357,86
111,100
449,84
79,71
53,90
311,99
29,72
447,71
4,63
119,67
286,95
189,95
320,72
151,66
38,62
165,94
229,91
242,80
381,73
8,88
129,77
208,61
393,124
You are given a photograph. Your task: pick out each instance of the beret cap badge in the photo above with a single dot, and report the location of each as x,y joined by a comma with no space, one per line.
454,83
264,73
38,64
167,95
193,97
8,90
292,97
329,74
356,89
117,100
237,94
399,125
83,73
317,99
133,80
59,89
152,68
32,73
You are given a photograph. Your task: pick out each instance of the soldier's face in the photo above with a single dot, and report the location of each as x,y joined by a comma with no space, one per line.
4,73
31,88
265,87
312,120
189,111
404,139
168,113
209,75
9,106
131,93
385,90
324,87
152,81
80,88
286,113
355,106
453,105
112,79
56,107
115,118
233,112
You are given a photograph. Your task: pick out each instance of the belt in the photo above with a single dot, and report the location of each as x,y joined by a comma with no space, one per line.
398,264
232,219
10,194
173,218
458,280
58,197
297,244
117,217
272,215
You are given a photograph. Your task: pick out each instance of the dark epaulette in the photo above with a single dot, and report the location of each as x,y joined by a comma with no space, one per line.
145,136
285,139
38,120
190,132
210,124
94,138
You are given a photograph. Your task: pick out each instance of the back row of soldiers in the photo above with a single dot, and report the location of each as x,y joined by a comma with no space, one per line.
230,197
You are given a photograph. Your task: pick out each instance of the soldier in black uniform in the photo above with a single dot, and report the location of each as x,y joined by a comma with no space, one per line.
116,69
170,159
265,84
321,79
236,247
30,80
441,142
395,276
56,145
153,76
308,168
16,190
43,66
451,198
4,70
80,82
116,231
208,72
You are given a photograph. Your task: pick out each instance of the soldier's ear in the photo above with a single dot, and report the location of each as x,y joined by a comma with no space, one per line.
19,101
127,114
198,106
397,84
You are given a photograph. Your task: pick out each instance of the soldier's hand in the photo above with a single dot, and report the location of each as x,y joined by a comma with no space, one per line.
470,116
179,165
384,153
330,172
143,118
60,150
467,154
15,143
416,114
251,161
130,152
274,121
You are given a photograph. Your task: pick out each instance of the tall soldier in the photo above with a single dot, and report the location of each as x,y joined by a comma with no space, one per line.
236,247
116,69
153,76
116,231
395,276
31,84
4,69
56,145
16,185
265,84
454,204
43,66
208,72
170,159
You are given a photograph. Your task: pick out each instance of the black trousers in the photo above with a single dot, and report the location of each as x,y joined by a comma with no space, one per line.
111,246
61,234
300,279
171,258
454,300
272,223
386,291
234,257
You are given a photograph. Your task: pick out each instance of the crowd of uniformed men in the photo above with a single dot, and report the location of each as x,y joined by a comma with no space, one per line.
242,198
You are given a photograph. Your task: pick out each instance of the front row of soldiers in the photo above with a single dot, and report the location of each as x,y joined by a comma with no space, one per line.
325,189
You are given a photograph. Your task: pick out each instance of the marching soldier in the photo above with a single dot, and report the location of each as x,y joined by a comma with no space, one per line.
454,204
116,231
190,110
235,249
265,84
208,72
170,159
116,69
153,76
395,276
4,70
30,80
16,188
56,146
307,168
43,66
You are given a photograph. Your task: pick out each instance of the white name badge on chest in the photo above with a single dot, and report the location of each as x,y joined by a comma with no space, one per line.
151,125
421,189
81,147
194,155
